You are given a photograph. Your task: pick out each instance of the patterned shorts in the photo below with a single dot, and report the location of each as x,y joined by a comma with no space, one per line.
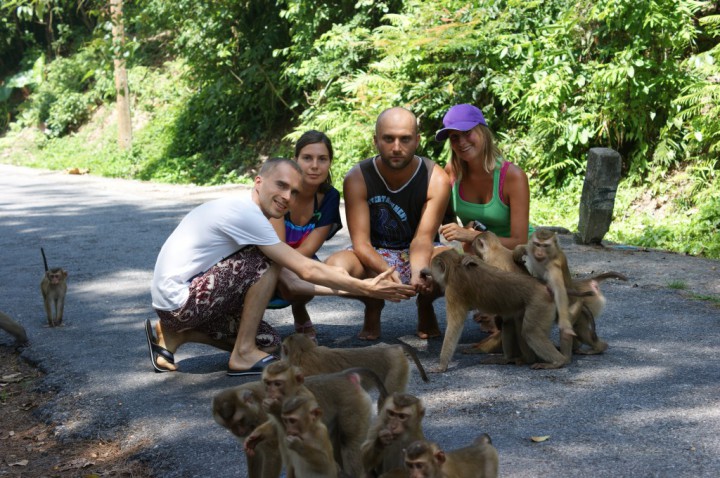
400,258
216,299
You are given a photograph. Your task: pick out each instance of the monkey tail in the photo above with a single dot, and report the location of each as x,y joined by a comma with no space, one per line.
413,354
609,275
591,321
42,251
366,372
483,439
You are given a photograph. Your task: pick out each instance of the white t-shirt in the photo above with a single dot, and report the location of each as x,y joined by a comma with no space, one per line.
208,234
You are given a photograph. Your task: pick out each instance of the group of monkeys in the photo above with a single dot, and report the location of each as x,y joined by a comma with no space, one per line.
523,293
311,411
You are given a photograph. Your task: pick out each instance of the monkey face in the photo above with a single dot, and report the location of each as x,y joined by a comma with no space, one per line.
293,424
274,388
417,468
441,263
424,460
55,276
397,420
238,412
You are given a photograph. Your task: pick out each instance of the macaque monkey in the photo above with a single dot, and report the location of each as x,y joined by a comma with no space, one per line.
53,287
426,460
521,298
14,329
387,361
583,312
488,247
310,453
398,424
346,406
240,410
547,262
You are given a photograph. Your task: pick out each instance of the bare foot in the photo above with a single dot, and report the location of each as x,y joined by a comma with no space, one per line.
167,341
427,335
306,328
371,324
428,327
162,363
368,335
245,361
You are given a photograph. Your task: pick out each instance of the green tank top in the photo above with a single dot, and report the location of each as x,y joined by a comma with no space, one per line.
495,214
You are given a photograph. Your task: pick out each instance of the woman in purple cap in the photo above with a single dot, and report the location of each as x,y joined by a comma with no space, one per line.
488,192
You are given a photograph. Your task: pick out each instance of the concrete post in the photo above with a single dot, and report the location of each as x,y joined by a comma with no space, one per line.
598,195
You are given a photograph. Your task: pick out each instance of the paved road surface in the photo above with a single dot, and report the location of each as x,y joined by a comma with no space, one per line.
647,408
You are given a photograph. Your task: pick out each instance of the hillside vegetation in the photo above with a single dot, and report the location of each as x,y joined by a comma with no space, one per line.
215,87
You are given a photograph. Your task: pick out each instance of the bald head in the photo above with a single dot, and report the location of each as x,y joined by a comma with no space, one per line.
396,115
396,138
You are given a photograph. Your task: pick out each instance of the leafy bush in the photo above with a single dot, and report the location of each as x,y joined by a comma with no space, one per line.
70,88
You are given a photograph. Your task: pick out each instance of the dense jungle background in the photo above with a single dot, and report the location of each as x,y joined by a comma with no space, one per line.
216,87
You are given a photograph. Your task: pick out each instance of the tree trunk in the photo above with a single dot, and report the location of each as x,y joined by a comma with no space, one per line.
121,83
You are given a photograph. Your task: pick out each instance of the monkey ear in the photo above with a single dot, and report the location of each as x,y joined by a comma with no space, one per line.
299,378
440,456
316,412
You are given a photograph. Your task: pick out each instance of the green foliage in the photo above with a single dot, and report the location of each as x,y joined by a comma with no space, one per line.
553,78
678,284
70,89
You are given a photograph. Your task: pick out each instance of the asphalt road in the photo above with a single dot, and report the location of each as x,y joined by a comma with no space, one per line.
648,407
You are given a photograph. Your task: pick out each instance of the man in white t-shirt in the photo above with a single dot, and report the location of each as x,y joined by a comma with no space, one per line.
217,271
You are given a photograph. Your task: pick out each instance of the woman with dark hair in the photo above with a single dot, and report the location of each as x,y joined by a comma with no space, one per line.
488,192
314,217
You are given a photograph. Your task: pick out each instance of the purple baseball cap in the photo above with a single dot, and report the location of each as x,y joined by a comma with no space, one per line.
462,117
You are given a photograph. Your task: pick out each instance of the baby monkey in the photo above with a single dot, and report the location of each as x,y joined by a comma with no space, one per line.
53,287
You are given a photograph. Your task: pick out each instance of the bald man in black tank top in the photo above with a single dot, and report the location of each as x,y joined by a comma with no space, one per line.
394,204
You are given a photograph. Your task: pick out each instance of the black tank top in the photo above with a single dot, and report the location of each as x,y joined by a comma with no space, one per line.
395,215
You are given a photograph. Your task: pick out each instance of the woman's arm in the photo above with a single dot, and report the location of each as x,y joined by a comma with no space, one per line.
516,194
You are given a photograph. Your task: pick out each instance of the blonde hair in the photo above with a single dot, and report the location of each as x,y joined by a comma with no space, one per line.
491,154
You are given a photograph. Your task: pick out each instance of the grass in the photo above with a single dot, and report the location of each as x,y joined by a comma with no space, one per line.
678,285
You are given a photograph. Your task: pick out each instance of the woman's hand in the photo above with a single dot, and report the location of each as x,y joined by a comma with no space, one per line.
453,232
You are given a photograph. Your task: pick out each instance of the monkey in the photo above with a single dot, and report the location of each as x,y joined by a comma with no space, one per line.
547,262
398,424
425,459
310,452
346,406
492,344
387,361
487,247
518,297
14,329
53,287
583,312
240,410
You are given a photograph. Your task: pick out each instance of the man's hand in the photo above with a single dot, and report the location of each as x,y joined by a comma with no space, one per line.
387,286
423,284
